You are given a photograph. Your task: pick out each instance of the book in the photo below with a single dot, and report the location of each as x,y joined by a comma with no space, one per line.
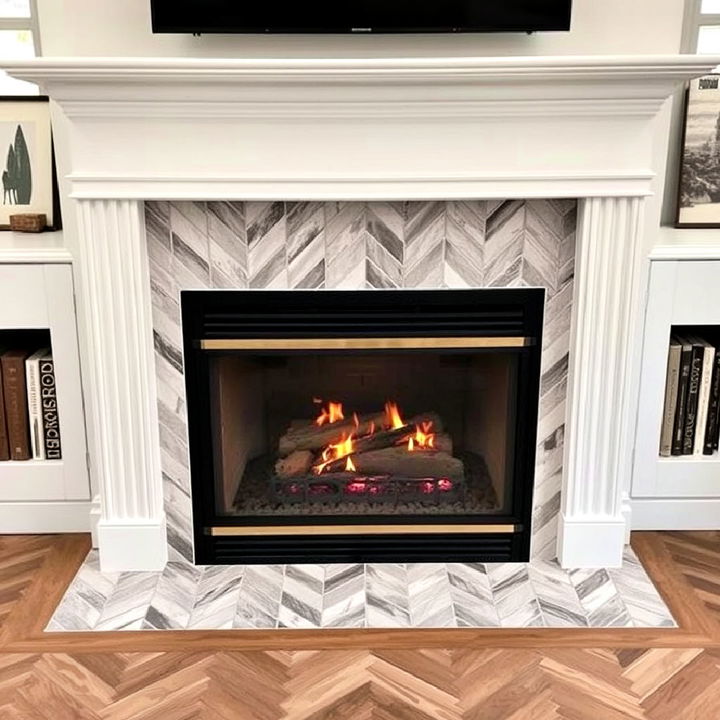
4,446
32,381
703,396
15,396
711,431
685,360
691,407
671,395
50,417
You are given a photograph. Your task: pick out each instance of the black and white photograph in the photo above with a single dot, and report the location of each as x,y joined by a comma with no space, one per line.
699,187
26,158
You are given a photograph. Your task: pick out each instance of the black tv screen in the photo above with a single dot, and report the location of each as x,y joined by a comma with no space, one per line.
359,16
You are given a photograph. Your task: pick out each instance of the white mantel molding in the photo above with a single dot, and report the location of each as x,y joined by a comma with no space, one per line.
406,128
355,130
327,89
378,186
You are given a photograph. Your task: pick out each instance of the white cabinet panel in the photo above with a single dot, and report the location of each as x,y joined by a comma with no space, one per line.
681,292
41,296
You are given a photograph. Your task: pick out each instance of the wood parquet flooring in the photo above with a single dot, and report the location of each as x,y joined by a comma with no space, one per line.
361,675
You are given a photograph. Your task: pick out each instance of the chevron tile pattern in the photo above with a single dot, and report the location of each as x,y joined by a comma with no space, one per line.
354,245
431,684
382,595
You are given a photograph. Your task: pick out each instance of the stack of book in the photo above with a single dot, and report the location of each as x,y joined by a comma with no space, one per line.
691,417
29,426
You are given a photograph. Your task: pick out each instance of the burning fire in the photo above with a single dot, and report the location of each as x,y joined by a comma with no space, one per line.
392,416
423,438
335,451
330,414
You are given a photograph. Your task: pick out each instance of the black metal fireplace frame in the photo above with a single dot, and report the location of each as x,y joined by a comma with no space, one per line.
210,316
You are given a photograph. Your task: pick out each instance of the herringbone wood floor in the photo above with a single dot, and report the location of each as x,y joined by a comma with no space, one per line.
359,675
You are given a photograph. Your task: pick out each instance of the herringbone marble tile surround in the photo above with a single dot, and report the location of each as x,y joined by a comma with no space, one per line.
361,246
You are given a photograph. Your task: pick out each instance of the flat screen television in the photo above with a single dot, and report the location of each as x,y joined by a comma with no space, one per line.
359,16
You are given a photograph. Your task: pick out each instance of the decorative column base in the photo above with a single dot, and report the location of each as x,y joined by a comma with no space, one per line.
140,546
591,542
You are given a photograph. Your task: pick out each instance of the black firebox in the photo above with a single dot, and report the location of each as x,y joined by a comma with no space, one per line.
362,426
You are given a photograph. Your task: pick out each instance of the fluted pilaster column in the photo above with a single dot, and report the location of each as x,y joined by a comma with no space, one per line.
119,384
600,406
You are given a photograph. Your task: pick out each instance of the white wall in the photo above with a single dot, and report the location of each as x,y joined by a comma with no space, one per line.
122,27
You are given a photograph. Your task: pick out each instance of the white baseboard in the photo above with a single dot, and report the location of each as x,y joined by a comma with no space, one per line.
675,513
132,546
44,517
591,542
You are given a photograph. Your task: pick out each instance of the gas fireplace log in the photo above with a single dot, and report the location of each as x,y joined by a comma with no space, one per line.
297,463
387,439
309,436
315,437
398,461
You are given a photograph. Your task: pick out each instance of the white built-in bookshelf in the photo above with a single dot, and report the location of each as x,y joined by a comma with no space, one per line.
681,491
37,304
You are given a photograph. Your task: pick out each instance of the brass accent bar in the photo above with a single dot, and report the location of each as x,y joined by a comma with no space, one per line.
357,529
403,343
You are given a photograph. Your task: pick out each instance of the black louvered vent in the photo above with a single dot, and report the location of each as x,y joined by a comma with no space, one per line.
282,314
355,548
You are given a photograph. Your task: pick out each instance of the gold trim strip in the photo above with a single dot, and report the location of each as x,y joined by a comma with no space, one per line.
357,529
362,343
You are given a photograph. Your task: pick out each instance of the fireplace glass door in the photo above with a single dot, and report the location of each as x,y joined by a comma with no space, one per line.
360,433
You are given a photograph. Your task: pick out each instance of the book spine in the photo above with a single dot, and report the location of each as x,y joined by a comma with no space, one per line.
713,408
51,424
685,360
32,377
4,445
671,395
703,400
16,407
692,399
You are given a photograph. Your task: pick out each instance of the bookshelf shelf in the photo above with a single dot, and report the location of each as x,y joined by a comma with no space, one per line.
677,492
692,459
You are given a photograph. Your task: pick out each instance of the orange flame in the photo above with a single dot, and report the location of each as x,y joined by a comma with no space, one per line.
423,438
350,465
332,413
335,451
392,416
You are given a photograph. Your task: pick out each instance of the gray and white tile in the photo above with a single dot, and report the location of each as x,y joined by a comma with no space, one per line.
377,595
355,245
387,595
343,602
258,602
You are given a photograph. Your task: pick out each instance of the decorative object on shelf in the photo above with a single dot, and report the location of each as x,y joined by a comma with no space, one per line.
28,168
28,222
699,186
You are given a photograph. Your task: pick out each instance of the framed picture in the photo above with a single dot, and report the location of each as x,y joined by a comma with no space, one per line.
699,186
26,155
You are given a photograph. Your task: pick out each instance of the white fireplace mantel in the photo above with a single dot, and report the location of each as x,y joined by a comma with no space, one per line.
137,129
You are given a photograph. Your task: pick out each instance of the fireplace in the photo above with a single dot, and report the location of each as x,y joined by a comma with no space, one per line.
336,426
355,130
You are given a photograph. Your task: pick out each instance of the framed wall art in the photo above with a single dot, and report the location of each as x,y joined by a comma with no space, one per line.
699,185
26,155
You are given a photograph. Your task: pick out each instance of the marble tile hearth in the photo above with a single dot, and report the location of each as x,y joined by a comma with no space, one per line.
500,595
